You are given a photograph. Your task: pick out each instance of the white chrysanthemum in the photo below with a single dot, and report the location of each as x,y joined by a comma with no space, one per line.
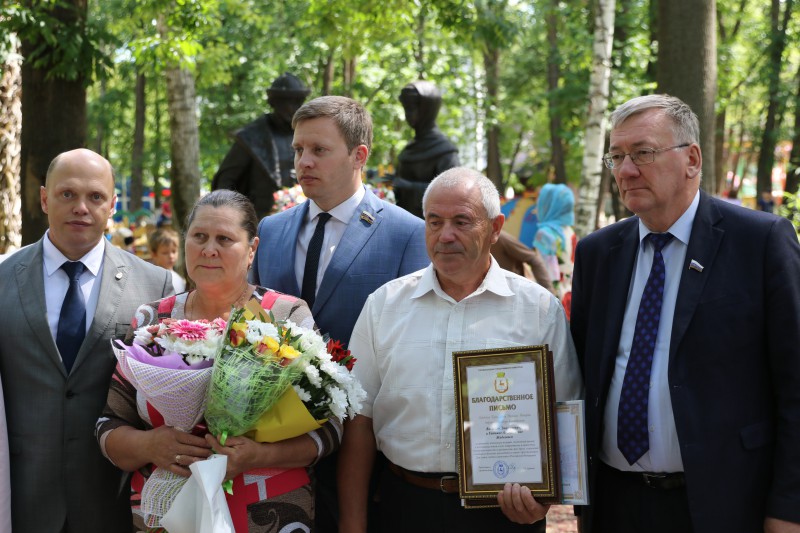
206,348
334,370
142,336
302,394
258,330
356,396
313,375
338,403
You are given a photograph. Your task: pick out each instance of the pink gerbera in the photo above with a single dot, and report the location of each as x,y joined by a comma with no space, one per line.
189,330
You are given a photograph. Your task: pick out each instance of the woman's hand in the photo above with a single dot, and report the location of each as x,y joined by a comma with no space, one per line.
174,450
243,454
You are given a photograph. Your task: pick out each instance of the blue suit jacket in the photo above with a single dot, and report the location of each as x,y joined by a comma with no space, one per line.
734,361
369,255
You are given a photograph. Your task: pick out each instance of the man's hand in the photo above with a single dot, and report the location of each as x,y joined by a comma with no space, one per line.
773,525
518,504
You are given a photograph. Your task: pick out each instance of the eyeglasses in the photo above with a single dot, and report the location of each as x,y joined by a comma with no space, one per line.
642,156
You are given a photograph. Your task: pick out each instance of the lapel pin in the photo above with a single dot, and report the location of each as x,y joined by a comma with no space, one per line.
367,217
118,276
694,265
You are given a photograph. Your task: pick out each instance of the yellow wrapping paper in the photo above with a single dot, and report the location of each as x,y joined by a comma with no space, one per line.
288,418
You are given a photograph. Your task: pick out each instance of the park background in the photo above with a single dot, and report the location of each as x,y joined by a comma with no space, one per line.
157,87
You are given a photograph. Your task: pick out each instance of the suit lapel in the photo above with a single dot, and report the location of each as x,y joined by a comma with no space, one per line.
621,258
30,284
355,237
112,285
287,248
703,246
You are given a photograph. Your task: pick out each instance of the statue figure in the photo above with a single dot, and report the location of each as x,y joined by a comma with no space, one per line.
429,154
261,160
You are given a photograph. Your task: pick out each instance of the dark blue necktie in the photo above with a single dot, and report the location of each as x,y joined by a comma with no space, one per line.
309,290
633,438
72,320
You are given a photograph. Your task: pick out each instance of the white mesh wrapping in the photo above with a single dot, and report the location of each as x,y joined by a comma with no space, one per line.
158,493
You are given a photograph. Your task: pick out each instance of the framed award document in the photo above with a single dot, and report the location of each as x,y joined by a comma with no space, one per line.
507,430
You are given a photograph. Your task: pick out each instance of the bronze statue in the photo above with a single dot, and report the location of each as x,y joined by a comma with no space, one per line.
429,154
261,160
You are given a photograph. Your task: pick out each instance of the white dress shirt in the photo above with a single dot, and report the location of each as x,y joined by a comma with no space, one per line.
334,230
56,281
664,454
404,340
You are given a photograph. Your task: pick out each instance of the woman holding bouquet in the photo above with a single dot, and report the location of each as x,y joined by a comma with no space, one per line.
269,479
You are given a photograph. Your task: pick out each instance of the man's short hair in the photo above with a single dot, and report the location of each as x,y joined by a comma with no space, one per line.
454,177
350,117
686,126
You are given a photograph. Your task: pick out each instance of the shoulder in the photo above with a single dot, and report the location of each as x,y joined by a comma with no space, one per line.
399,217
23,256
604,236
280,218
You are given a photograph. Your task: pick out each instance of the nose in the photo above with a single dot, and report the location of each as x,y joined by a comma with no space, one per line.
447,234
627,168
303,160
210,249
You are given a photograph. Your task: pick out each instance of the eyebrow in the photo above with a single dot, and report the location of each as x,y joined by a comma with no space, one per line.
637,144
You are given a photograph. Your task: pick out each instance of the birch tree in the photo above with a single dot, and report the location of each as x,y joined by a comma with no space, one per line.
592,167
10,129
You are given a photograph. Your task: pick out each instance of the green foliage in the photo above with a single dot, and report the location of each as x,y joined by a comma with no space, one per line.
790,208
59,38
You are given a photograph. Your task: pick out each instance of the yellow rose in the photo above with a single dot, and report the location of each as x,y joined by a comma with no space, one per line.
287,352
272,344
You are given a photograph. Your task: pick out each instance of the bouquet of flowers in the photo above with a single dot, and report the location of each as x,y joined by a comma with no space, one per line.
170,365
277,379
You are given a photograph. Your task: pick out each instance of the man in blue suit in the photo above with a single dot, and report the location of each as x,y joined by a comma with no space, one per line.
696,428
341,245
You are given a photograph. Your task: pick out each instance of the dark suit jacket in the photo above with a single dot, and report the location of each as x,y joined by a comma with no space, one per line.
734,361
369,255
57,470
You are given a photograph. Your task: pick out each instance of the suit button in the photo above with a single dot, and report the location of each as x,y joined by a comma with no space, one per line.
70,394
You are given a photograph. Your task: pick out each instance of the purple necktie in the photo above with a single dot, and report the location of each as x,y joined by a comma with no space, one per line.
633,438
72,320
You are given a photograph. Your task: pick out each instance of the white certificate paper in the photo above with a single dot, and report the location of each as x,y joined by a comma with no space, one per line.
572,451
504,424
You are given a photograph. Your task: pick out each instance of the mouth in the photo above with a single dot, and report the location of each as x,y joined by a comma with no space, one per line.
79,223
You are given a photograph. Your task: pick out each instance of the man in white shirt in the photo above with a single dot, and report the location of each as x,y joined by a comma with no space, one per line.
404,339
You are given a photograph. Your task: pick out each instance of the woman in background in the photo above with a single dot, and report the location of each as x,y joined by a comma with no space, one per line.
555,239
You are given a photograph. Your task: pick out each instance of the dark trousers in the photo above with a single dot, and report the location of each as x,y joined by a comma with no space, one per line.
625,504
407,508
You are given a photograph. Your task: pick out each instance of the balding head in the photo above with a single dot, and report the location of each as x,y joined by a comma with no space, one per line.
78,198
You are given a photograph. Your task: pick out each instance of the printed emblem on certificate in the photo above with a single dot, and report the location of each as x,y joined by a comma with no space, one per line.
505,412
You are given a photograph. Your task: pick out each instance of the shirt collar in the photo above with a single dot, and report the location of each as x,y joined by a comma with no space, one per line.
342,212
682,228
53,258
495,281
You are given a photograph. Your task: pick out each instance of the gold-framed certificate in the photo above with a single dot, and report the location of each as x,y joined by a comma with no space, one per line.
505,409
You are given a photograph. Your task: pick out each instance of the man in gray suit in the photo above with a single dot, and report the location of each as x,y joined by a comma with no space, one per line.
56,379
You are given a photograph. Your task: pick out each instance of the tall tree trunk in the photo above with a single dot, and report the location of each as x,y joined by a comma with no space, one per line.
54,111
491,64
793,174
10,136
687,66
766,157
419,42
184,143
719,150
137,153
553,77
327,76
594,140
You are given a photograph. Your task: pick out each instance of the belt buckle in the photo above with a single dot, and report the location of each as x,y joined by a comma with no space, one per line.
651,479
443,479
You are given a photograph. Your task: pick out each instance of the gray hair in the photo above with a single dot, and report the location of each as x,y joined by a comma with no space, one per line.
685,126
454,177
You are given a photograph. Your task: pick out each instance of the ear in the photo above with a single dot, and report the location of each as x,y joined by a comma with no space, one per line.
43,199
361,154
694,162
252,254
497,225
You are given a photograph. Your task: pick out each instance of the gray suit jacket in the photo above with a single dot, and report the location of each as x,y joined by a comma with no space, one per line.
58,474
